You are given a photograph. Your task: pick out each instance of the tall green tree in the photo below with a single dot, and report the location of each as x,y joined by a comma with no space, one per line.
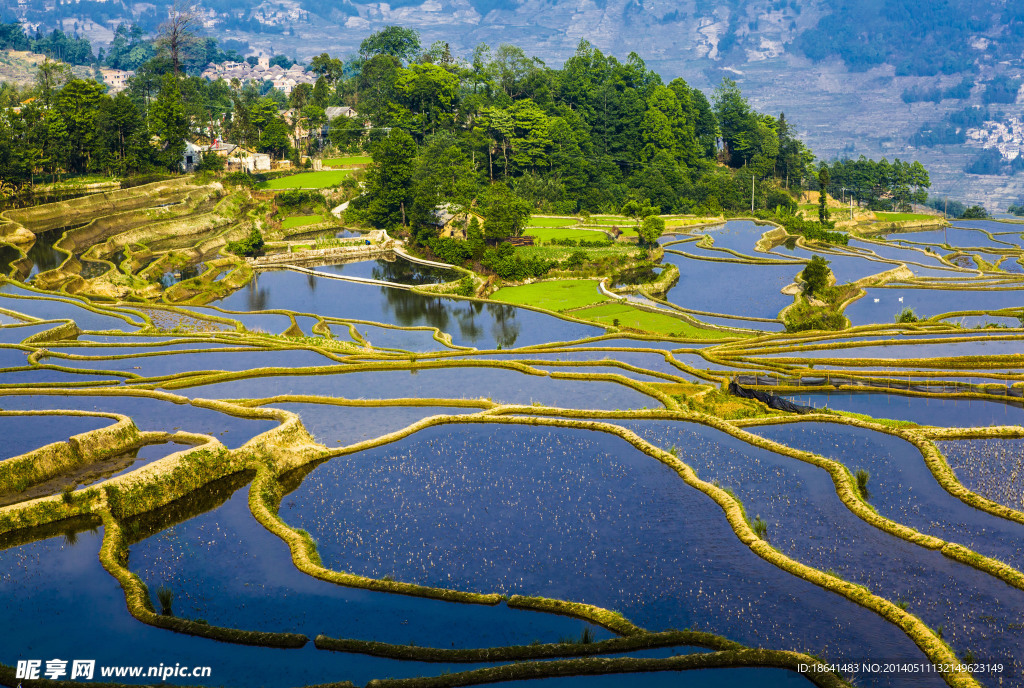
167,122
823,181
77,104
397,41
505,214
385,202
443,176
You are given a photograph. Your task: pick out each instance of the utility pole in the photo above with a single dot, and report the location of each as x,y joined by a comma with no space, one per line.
751,193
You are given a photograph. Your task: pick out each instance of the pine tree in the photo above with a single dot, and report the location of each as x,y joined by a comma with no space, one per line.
823,181
167,122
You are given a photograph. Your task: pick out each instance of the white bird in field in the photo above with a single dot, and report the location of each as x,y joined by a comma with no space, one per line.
876,300
901,299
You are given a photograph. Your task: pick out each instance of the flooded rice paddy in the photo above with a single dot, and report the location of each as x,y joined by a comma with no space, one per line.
323,457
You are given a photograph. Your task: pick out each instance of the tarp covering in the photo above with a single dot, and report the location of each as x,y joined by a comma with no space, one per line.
772,400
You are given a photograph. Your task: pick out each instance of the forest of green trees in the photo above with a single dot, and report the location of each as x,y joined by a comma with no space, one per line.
499,129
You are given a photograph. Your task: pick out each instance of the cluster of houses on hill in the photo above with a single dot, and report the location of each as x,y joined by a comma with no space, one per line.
1007,137
283,79
239,159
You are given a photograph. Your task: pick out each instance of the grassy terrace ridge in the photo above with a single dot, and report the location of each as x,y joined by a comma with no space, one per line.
348,160
906,217
536,221
620,314
681,382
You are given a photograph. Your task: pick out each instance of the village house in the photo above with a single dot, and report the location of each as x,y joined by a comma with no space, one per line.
454,223
242,160
116,79
191,158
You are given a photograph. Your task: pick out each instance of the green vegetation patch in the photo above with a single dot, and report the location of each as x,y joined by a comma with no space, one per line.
309,180
301,221
558,295
616,251
624,315
547,234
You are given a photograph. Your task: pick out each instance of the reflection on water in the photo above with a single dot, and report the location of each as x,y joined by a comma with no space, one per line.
8,254
471,317
186,273
256,298
399,271
43,254
468,322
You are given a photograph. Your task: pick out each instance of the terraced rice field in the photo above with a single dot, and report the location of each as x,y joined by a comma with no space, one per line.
300,479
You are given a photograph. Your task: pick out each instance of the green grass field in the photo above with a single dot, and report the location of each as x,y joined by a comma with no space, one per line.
547,234
301,221
563,252
553,221
905,217
348,160
558,295
628,316
309,180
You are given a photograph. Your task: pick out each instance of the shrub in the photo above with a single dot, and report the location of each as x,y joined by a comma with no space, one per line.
300,199
907,315
815,231
250,246
211,163
975,212
816,275
507,264
466,287
241,179
448,250
575,260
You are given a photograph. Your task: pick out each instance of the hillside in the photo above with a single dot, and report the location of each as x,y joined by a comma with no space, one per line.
843,71
19,67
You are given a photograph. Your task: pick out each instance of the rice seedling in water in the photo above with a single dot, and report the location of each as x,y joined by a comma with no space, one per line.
165,596
760,528
862,483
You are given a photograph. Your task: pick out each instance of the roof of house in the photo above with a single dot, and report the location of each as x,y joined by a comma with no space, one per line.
338,111
222,146
446,212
